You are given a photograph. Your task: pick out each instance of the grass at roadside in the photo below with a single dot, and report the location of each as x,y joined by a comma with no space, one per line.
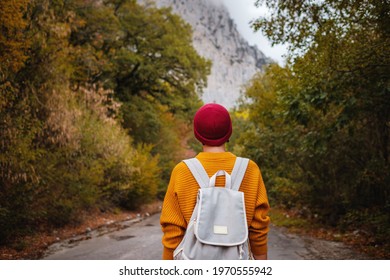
283,218
359,239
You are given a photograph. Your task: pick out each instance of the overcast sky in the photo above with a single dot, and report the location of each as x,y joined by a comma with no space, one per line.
242,12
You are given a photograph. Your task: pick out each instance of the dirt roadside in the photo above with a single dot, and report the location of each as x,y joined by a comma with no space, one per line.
33,247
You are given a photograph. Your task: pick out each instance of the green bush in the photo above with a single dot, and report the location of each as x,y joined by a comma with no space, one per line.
144,180
61,213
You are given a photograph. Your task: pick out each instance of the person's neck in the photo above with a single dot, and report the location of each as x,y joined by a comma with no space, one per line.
214,149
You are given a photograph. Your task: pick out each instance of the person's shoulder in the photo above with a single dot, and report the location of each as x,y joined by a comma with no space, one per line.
179,168
251,163
180,173
253,167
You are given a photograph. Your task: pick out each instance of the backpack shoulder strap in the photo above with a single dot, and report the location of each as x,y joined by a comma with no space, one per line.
238,172
198,171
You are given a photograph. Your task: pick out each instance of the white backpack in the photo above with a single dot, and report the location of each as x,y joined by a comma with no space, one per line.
218,228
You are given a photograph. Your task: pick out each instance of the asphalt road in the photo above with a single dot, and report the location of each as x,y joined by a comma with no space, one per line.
141,240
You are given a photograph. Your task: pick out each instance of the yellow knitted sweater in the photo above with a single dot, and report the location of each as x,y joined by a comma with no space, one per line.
180,200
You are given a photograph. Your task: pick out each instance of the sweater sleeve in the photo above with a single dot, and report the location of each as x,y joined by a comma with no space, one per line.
259,227
172,222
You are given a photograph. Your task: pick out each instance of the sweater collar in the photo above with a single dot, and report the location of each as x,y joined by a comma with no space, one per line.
222,155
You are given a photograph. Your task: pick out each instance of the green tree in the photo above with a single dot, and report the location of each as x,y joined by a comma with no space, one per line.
145,55
269,136
74,72
139,50
17,124
324,118
13,42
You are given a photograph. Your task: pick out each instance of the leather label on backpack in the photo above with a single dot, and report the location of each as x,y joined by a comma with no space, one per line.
220,230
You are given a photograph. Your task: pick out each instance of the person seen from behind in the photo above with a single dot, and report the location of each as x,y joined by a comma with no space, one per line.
213,127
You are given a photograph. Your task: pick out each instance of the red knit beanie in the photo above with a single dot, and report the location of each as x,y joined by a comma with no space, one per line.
212,125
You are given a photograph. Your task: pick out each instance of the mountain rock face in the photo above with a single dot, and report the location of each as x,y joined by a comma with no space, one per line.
215,37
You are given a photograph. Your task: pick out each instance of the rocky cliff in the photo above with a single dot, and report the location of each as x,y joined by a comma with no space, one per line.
216,37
